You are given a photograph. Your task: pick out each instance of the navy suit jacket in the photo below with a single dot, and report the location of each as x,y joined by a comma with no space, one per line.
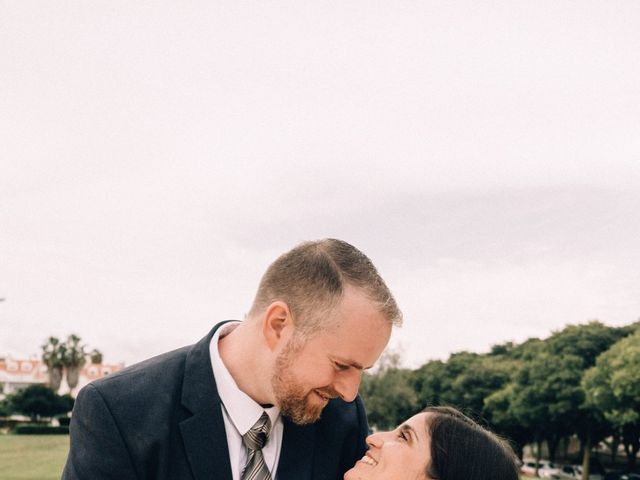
161,419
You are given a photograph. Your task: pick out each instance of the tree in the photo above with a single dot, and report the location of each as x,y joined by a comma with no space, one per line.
429,381
69,356
388,394
453,382
587,342
53,353
96,356
40,401
481,377
500,414
498,408
480,385
545,397
74,359
5,408
524,351
613,387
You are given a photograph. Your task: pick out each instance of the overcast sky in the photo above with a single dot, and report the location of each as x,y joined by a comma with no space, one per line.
155,157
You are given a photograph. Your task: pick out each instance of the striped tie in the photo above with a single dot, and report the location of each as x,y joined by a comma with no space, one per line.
254,440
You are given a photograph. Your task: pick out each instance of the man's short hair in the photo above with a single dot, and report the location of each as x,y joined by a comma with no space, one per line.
311,280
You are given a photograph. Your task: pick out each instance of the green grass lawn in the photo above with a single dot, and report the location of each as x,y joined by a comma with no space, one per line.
32,457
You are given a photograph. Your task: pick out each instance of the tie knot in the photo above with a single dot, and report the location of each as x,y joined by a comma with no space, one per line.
257,436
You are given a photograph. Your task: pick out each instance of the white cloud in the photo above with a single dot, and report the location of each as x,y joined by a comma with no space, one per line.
157,157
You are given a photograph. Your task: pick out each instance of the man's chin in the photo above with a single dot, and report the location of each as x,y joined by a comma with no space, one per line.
306,417
303,413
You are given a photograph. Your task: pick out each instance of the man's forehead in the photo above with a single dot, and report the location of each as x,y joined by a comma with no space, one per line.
352,343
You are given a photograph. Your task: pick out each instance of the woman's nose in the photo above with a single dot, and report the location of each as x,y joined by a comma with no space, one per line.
375,439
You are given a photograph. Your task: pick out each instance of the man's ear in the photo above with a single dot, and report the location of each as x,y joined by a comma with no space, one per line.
277,324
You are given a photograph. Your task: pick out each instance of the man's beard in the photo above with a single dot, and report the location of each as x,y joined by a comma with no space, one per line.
290,396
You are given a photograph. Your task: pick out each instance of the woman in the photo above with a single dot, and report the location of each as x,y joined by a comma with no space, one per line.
438,444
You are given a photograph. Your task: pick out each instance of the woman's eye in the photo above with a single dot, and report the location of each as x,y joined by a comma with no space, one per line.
341,366
402,435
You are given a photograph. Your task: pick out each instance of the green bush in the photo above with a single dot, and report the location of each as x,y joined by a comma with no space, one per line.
39,401
8,423
64,421
41,430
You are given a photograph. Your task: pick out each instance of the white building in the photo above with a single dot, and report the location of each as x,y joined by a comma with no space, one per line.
17,374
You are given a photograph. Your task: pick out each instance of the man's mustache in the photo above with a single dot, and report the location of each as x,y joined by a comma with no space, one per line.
328,392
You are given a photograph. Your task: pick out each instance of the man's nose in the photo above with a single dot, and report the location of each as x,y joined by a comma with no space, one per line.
347,384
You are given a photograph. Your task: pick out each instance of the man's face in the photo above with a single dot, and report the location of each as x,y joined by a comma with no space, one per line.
330,364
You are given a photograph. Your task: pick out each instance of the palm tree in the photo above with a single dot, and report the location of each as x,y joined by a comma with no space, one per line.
96,356
53,353
74,359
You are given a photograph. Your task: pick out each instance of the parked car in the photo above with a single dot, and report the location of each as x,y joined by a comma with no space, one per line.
616,475
545,468
613,475
575,472
619,475
548,470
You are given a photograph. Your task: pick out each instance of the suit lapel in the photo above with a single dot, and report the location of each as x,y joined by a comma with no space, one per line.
296,454
203,433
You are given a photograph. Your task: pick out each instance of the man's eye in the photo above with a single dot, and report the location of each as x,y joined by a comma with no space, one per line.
402,435
341,366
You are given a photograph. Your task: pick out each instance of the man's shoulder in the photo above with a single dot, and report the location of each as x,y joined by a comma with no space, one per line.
152,373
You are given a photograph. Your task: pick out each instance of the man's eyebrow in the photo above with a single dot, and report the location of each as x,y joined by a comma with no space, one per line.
351,363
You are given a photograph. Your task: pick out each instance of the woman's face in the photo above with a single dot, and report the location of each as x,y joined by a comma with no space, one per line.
397,455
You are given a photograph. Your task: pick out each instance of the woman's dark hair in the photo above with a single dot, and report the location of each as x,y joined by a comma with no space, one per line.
463,450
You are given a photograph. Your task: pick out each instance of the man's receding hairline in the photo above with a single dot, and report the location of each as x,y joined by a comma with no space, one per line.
346,266
335,325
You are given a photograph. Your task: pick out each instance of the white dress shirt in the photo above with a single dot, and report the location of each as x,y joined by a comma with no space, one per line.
240,413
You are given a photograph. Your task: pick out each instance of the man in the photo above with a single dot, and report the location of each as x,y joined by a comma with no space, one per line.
272,397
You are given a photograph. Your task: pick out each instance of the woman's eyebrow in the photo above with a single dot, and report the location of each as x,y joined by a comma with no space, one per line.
406,428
